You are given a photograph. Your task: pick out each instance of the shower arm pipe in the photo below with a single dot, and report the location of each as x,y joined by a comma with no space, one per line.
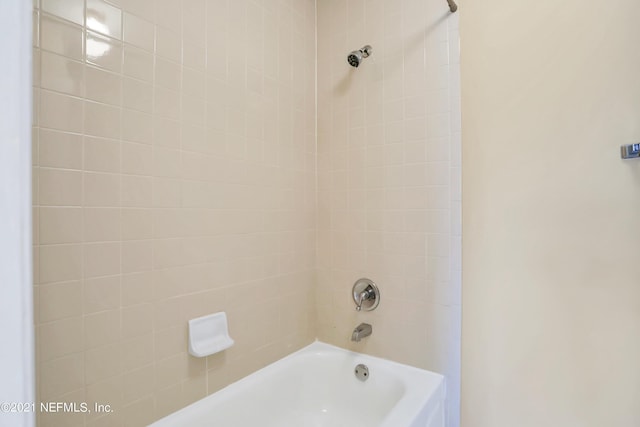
452,5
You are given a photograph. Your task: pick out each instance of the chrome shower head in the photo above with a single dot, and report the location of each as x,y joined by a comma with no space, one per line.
355,58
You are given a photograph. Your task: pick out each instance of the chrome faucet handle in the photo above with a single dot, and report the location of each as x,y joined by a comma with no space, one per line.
366,295
360,299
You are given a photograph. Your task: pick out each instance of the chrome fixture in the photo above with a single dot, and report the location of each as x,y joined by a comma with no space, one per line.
452,5
355,58
362,372
361,331
630,151
366,295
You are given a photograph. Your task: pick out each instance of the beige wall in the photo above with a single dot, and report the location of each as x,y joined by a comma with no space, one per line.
388,180
551,297
174,177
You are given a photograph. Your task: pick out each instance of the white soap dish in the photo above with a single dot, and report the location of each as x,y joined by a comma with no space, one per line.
209,335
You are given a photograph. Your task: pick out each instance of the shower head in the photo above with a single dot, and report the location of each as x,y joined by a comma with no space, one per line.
355,58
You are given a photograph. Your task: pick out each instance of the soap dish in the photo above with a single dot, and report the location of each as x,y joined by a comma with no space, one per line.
209,335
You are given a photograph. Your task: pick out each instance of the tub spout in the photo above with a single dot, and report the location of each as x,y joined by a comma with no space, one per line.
361,331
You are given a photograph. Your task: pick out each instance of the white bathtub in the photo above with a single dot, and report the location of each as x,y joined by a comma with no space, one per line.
316,387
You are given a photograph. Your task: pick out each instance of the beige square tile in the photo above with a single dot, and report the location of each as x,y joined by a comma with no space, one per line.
166,163
101,189
60,225
61,376
105,52
194,16
139,32
36,107
137,126
102,363
137,320
167,103
137,288
194,390
101,329
61,74
109,391
102,224
168,400
72,10
35,224
101,294
137,159
137,191
139,413
139,7
137,352
36,268
168,74
171,341
194,83
166,193
167,312
36,70
170,16
194,110
194,56
101,155
138,95
104,18
103,86
60,300
59,149
138,64
102,120
168,253
60,263
60,338
61,37
166,132
102,259
137,224
170,371
62,112
137,256
168,43
139,383
35,27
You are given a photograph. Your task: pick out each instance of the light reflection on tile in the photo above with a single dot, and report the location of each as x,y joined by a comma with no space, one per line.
72,10
104,52
104,18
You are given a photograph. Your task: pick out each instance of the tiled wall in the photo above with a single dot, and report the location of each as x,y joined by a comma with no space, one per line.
389,180
174,166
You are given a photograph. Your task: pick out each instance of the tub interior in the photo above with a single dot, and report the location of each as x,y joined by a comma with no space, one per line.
314,387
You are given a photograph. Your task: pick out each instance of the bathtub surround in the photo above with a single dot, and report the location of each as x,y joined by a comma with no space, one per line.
551,295
389,180
174,177
176,174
